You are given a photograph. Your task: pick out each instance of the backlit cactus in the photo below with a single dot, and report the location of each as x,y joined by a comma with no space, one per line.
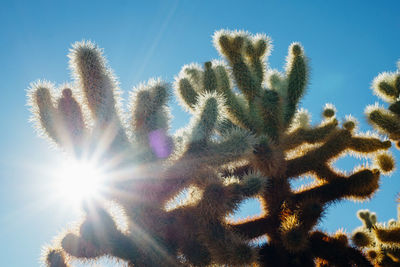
247,138
380,241
387,86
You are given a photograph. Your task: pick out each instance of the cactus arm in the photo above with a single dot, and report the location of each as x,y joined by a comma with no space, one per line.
336,252
297,75
252,228
388,235
359,185
309,136
315,160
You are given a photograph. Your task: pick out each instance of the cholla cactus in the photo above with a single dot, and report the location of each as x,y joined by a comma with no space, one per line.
247,138
380,241
387,86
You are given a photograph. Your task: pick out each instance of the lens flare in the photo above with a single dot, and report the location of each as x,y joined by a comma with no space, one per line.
78,181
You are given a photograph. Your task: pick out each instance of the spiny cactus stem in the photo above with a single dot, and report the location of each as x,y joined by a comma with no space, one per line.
316,159
255,118
361,184
334,145
277,191
328,248
325,173
253,228
310,136
389,235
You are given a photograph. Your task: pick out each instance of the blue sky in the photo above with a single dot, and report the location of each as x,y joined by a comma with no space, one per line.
348,45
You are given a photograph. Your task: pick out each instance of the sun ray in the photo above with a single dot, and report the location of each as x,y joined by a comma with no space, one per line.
79,180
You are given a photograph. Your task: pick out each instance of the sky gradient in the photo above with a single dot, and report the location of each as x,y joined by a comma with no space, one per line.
348,45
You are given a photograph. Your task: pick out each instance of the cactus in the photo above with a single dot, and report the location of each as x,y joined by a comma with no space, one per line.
387,86
381,241
247,137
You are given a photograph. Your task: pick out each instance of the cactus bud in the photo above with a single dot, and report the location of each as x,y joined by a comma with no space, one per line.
372,254
385,162
55,258
296,49
384,85
350,123
361,239
329,111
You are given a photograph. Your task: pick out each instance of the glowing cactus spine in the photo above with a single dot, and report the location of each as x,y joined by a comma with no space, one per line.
247,138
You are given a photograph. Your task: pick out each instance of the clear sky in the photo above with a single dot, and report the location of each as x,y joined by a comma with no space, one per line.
348,43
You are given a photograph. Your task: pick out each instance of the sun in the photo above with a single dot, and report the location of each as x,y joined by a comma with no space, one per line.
79,180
